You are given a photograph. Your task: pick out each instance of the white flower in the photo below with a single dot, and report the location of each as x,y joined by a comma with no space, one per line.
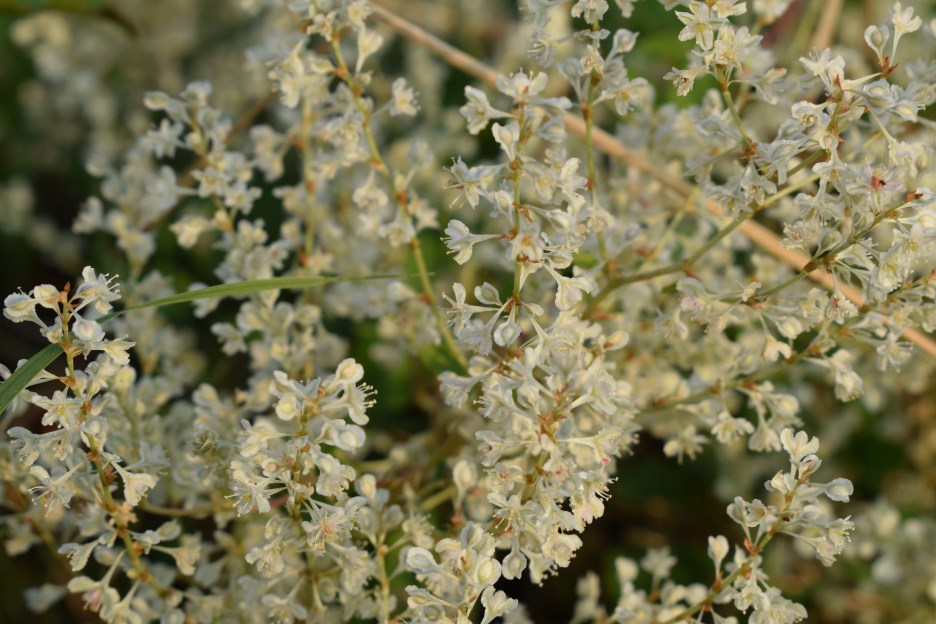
570,289
189,228
848,384
20,307
496,604
90,332
774,349
468,182
508,137
840,308
421,561
830,70
876,37
687,442
460,240
769,11
623,42
658,562
727,428
717,550
684,79
561,547
568,181
590,10
798,444
368,42
478,111
700,24
97,290
252,492
136,484
47,296
839,490
521,86
509,330
52,489
211,182
627,95
904,22
403,99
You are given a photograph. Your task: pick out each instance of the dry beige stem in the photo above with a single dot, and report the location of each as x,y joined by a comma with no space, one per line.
757,233
828,22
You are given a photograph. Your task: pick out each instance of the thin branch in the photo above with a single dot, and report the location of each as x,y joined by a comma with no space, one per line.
675,267
828,22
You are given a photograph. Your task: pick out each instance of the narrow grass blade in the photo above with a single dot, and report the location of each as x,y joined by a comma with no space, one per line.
21,377
247,287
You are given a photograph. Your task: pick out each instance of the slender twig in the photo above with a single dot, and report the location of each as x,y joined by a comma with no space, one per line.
431,502
828,22
782,285
616,282
673,224
746,142
685,265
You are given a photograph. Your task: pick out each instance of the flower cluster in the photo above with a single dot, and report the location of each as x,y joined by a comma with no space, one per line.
627,271
741,581
74,332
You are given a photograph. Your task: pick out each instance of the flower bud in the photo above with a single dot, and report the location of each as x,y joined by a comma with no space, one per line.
718,549
421,561
876,37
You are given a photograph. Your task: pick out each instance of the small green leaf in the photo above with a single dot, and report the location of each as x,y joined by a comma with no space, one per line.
21,377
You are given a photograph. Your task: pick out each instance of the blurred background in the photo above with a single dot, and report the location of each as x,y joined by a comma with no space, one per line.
72,77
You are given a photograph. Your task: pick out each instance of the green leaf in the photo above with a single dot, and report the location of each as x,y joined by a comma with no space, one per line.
21,377
247,287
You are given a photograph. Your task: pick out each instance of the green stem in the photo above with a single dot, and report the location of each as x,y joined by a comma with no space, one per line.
720,388
431,502
783,285
94,454
806,162
447,337
721,585
517,168
588,112
616,282
345,74
829,256
675,267
746,142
